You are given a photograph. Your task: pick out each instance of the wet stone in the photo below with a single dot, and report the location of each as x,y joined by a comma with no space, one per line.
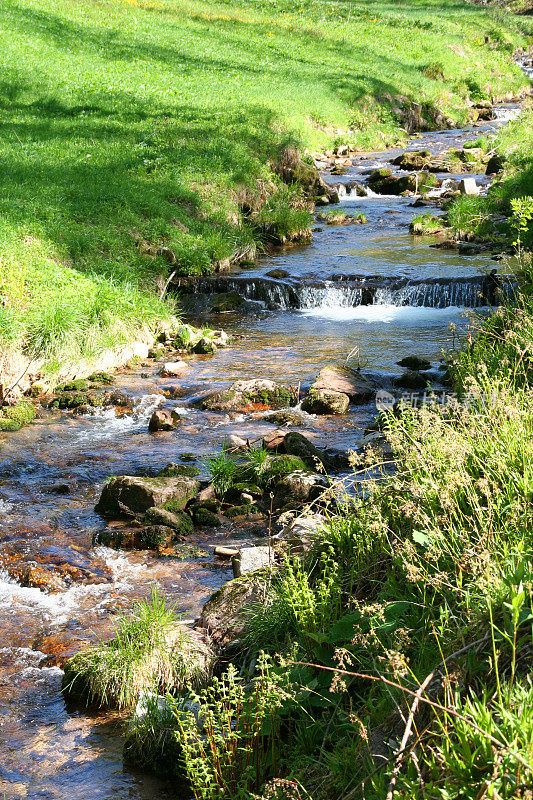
129,495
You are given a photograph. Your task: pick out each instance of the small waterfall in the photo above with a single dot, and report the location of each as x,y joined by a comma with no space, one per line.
345,291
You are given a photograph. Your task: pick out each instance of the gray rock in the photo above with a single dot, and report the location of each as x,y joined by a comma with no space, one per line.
178,521
173,369
128,495
336,378
245,395
469,186
250,559
301,533
326,401
414,363
225,613
163,420
297,488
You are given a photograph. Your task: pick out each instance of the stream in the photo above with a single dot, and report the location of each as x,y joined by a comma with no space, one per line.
370,287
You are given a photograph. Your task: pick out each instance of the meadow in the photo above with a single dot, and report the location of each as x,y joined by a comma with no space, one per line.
131,126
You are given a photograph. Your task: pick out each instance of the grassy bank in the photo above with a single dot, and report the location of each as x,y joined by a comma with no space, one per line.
141,133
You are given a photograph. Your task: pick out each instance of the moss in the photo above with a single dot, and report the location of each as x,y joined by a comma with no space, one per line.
242,511
79,385
22,413
9,425
101,377
203,516
152,744
177,470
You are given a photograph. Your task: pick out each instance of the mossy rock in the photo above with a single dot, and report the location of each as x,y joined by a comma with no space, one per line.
175,470
128,495
225,301
296,444
9,425
414,363
21,413
326,401
282,464
178,521
101,377
226,612
246,510
80,385
411,380
205,517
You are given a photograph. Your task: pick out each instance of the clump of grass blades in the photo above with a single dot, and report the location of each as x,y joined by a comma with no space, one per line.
149,653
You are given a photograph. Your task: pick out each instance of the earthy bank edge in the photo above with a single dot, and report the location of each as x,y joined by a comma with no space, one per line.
112,183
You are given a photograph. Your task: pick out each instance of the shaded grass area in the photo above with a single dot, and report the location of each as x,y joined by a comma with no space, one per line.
128,126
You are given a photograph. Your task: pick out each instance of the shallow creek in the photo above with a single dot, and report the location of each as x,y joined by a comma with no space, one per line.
51,472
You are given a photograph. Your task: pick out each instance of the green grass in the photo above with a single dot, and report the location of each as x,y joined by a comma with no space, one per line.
128,126
149,653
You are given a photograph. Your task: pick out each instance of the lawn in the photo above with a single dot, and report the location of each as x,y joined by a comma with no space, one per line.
128,126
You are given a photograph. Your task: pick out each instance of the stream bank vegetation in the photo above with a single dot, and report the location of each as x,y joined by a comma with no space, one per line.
112,181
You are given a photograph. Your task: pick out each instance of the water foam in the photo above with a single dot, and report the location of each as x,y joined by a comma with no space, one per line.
106,424
384,313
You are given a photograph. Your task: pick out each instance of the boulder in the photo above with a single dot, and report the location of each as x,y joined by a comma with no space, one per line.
173,369
163,420
296,444
225,614
414,363
174,470
287,417
469,186
413,160
234,442
300,534
495,164
274,440
411,380
251,396
204,517
205,346
297,488
336,378
250,559
325,401
178,521
278,274
128,495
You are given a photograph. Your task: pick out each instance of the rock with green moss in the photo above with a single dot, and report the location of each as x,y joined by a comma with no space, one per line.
415,363
245,510
174,470
9,425
225,614
129,495
251,395
225,301
413,160
338,378
152,744
297,488
79,385
296,444
178,521
325,401
101,377
206,518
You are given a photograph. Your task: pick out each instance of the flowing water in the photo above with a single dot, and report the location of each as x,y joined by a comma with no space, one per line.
372,287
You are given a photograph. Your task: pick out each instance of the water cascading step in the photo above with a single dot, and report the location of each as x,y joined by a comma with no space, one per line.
347,292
